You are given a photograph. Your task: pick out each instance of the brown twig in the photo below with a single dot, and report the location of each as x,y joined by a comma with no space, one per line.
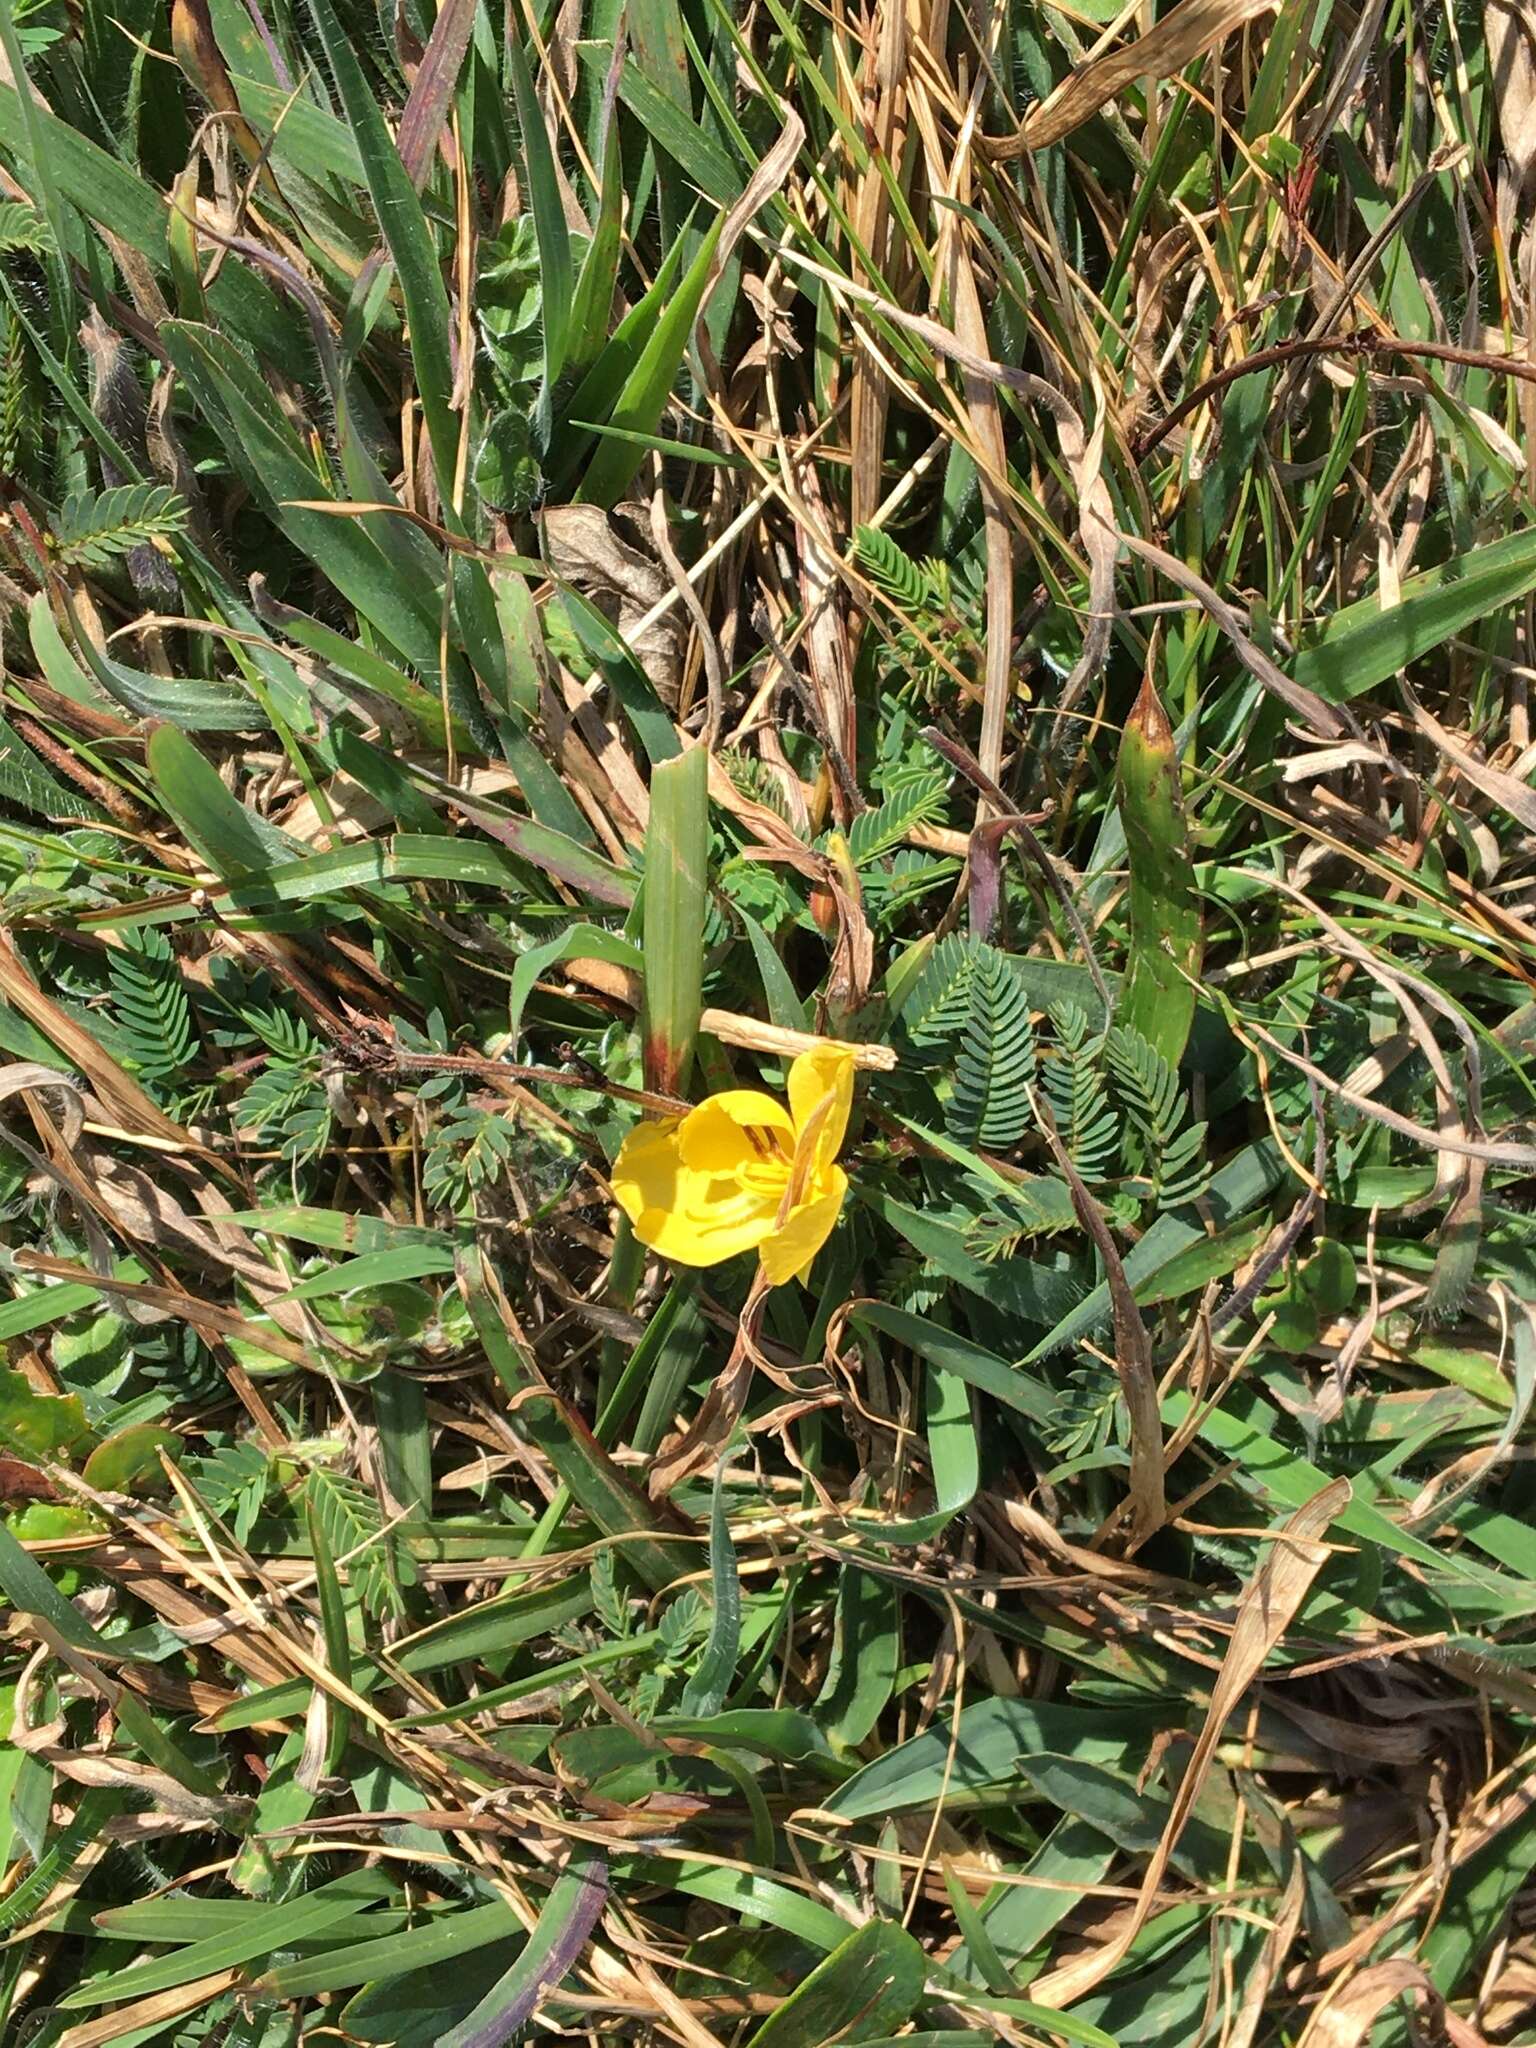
970,767
1356,344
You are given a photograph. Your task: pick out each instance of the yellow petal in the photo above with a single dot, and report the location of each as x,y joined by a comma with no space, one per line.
703,1237
648,1171
788,1252
695,1219
715,1137
821,1095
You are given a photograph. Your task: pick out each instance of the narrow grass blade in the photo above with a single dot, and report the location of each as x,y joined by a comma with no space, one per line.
676,875
555,274
569,1915
648,388
407,235
597,1486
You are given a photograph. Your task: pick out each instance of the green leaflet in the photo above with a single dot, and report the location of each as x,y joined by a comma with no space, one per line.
234,840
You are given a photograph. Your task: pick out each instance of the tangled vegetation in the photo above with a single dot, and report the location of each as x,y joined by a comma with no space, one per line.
553,563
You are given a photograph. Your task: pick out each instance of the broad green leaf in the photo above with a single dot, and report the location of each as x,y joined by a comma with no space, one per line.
861,1671
439,1941
676,888
565,1922
416,2010
697,155
870,1984
582,941
233,840
265,453
374,1269
1240,1185
705,1693
555,272
303,135
993,1735
177,1918
597,393
1365,644
593,297
1158,998
129,1457
946,1352
35,1425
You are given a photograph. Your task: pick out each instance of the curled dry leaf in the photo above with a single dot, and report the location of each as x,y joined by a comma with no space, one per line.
588,548
1509,29
1345,2020
357,814
1191,29
1516,797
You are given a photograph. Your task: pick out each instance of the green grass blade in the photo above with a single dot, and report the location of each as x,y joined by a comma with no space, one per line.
407,236
676,886
648,388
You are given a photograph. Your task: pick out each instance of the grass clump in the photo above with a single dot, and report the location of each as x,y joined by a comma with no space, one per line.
970,572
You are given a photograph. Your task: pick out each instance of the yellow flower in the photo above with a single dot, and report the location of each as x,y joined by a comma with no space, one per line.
743,1172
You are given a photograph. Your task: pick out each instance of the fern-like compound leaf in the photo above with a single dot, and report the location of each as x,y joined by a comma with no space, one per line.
149,1001
1078,1094
907,584
939,1004
349,1515
95,526
995,1068
916,797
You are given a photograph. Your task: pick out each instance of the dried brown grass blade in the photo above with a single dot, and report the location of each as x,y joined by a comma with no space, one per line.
778,1042
697,1447
772,169
147,2013
1277,1945
1178,39
432,88
870,398
1296,697
1510,794
987,427
1269,1606
1133,1358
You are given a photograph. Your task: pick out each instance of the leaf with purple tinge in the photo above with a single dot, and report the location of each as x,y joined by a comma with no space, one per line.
570,1913
432,89
556,855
